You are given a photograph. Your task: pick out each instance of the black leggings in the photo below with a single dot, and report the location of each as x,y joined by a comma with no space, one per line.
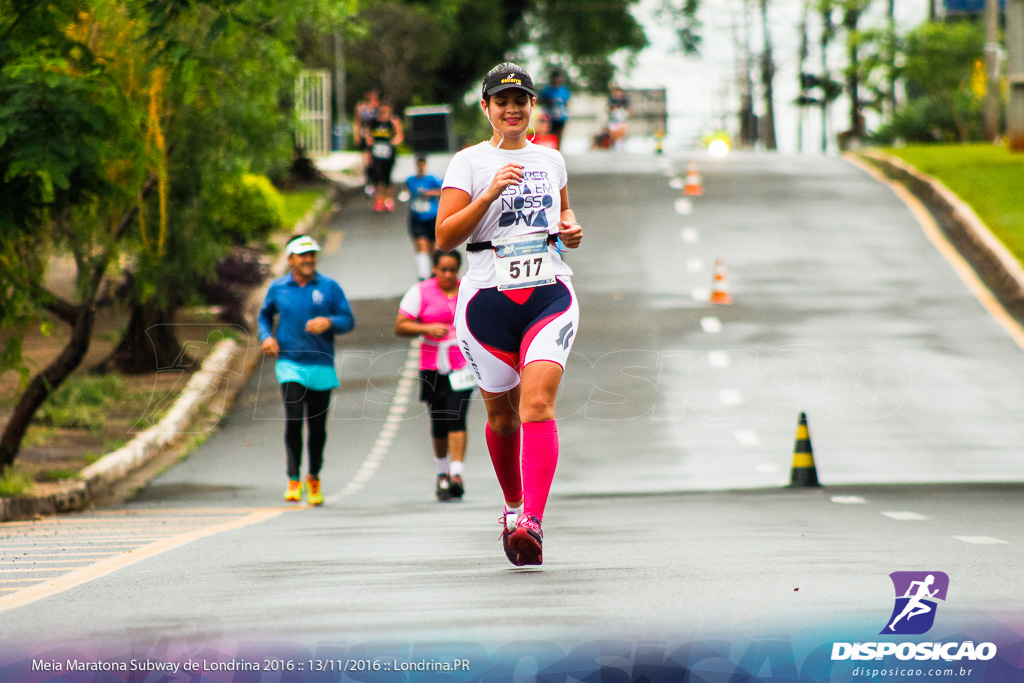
301,404
447,408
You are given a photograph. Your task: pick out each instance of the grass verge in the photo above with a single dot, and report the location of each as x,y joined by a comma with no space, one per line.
298,202
988,178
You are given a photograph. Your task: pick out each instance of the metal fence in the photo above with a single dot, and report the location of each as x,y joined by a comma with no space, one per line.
313,111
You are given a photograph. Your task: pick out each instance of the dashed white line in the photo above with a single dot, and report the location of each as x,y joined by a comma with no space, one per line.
719,359
711,325
904,516
690,235
849,500
700,294
694,265
676,183
730,397
981,540
766,468
747,437
684,206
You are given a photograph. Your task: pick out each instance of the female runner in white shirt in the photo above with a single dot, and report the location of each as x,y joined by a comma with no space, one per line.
517,314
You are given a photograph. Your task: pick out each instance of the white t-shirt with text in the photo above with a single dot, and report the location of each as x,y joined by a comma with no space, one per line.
531,206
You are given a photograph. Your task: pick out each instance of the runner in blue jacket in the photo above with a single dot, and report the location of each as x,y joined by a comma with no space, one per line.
311,308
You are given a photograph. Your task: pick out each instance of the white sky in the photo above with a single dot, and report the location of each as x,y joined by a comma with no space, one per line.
702,92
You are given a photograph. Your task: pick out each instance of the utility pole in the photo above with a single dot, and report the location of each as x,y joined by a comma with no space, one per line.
767,76
1015,73
804,52
992,51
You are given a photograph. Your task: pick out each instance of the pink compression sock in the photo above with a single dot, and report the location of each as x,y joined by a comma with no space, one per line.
540,456
504,452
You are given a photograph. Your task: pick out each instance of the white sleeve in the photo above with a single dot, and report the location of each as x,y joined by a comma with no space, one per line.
563,175
460,173
411,304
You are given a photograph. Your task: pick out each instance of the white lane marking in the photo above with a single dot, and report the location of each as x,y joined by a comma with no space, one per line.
719,359
676,183
730,397
747,437
711,325
694,265
849,500
766,468
700,294
690,235
684,206
386,435
904,516
981,540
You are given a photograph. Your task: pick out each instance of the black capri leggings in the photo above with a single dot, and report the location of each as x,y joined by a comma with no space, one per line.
447,408
302,404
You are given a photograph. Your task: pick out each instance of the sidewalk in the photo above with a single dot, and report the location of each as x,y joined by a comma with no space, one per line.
190,403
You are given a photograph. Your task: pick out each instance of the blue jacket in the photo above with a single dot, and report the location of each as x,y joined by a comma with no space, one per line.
295,306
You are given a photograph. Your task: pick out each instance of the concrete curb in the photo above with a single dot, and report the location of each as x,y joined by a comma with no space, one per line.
200,390
1000,270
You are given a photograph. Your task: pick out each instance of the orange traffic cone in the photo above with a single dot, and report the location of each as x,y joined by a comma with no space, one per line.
804,473
719,287
694,185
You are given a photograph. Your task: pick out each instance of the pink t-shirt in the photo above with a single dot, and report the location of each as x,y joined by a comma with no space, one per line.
426,303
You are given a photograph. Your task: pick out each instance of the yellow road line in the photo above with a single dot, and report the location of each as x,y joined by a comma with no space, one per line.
112,564
948,251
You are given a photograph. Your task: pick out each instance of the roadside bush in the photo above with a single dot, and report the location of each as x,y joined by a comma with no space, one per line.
248,210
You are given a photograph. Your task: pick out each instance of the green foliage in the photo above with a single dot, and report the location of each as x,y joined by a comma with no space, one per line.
14,482
58,474
939,64
297,203
248,209
79,403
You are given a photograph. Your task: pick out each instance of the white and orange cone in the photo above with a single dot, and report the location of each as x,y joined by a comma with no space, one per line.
719,286
694,186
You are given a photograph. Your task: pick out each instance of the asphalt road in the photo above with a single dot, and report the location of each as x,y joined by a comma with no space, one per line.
670,516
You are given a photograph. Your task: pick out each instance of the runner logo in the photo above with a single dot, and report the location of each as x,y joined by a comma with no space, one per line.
916,595
565,335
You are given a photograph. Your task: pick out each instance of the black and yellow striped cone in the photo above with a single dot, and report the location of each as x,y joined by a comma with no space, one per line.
804,473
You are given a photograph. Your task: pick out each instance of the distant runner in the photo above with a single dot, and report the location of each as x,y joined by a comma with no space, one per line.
424,194
310,309
446,384
382,136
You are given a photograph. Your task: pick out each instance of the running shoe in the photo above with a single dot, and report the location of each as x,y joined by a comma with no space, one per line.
378,205
294,492
389,204
314,496
444,487
508,526
526,540
456,488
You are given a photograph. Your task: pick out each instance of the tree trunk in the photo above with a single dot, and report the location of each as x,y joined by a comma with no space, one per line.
767,79
148,345
850,21
43,383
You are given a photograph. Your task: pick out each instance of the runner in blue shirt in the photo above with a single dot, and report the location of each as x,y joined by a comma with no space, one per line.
311,308
424,195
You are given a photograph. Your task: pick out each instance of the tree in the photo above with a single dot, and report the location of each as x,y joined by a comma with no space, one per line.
941,63
220,108
70,180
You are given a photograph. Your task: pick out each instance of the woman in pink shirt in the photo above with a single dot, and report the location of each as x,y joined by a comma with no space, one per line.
446,384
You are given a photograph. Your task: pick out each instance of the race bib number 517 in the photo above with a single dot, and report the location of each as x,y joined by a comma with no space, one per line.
523,261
